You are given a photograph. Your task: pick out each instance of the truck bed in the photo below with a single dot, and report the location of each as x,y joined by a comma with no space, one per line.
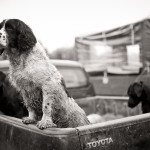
127,133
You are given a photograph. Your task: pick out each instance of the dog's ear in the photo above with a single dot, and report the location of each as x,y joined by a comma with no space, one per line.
138,88
25,39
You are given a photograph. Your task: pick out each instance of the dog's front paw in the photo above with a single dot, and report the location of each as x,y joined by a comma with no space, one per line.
43,124
28,120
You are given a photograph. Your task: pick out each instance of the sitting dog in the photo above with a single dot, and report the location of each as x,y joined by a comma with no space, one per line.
39,82
139,92
10,100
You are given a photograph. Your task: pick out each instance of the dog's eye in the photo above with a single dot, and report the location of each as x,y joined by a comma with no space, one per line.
9,28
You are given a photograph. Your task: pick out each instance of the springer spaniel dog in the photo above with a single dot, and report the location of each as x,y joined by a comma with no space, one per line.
139,92
38,81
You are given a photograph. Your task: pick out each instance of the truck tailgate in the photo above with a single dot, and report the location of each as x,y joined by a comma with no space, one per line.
130,133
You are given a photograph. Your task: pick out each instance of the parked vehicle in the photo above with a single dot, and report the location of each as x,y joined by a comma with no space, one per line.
76,78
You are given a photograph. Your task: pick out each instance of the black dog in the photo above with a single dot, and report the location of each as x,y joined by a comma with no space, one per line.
10,100
139,92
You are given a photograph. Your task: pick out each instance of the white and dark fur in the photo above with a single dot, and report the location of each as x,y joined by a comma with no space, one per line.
39,82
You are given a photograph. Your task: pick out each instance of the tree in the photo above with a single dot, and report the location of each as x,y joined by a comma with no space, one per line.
64,53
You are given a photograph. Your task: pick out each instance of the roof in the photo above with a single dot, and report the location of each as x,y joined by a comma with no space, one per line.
127,34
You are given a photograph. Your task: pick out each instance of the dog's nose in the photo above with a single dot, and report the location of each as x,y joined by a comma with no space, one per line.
2,35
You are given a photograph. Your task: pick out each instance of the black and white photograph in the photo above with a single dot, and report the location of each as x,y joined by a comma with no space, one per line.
75,75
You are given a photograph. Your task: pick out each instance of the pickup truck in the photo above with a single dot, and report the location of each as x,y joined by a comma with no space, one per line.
130,132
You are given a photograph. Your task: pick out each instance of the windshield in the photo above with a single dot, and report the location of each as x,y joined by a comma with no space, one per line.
74,76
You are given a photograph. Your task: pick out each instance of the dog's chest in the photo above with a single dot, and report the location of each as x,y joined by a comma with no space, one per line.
19,77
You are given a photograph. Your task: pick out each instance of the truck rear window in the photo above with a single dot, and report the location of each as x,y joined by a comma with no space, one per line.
74,76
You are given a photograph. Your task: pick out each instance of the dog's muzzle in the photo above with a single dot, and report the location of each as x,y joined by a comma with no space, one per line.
3,37
3,40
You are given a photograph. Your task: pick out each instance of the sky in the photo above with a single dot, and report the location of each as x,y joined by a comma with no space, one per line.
57,22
